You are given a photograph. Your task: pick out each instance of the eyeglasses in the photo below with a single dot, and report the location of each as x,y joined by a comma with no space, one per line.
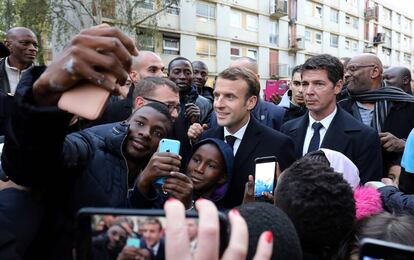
353,68
170,107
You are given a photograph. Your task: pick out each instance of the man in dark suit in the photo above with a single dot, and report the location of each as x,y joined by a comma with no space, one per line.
152,238
326,125
236,94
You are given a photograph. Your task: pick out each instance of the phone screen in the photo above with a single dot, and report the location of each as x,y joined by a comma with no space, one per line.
139,232
265,174
113,235
373,249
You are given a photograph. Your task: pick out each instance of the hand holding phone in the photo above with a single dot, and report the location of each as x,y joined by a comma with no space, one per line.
168,146
86,100
264,175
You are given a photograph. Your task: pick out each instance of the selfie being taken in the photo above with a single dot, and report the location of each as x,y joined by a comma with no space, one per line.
200,129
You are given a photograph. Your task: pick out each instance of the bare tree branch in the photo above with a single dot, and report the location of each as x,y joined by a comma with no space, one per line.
87,10
155,13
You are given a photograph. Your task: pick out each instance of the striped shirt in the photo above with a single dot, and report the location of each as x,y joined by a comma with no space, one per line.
366,114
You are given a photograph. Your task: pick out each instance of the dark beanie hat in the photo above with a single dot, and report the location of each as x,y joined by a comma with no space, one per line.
261,217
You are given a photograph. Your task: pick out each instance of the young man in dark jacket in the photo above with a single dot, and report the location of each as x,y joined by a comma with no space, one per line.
96,167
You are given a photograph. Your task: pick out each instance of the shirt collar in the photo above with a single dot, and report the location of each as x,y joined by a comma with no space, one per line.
326,121
239,134
14,68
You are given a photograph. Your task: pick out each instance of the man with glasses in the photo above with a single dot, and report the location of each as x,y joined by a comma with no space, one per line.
388,110
328,126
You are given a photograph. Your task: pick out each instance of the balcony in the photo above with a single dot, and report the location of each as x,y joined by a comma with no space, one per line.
378,39
296,44
369,49
278,9
278,71
371,13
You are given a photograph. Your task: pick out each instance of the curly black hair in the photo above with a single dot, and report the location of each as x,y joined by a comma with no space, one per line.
320,204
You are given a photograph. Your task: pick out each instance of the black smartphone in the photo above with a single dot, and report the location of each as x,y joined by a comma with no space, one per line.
264,175
374,249
106,232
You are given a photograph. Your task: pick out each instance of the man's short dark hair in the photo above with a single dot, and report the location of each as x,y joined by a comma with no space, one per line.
320,204
251,79
331,64
297,69
146,87
153,221
177,59
163,109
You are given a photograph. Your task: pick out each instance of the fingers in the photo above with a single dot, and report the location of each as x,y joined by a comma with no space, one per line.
249,190
196,130
177,244
239,238
264,247
208,231
107,31
105,45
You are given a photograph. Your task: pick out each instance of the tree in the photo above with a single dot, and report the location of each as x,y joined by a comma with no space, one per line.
57,21
135,17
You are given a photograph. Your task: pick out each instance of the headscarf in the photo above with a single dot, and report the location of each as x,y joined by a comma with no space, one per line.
343,165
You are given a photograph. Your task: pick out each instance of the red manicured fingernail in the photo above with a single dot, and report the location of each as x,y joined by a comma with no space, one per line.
269,236
235,212
171,199
201,199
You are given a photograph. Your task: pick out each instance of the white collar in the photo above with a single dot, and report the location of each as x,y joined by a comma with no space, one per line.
14,68
239,134
326,121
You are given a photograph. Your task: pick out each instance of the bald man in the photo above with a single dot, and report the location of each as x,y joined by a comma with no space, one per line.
146,64
22,45
265,112
399,77
388,110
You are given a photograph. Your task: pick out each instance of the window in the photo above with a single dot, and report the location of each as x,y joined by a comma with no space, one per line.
235,19
206,47
146,42
347,19
334,16
347,44
147,4
386,14
334,40
307,35
274,33
397,56
354,45
386,51
407,58
205,12
171,46
387,40
398,19
318,11
173,10
235,51
355,23
251,53
251,23
318,37
398,35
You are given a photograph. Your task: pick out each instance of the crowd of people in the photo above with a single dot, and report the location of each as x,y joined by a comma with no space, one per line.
343,137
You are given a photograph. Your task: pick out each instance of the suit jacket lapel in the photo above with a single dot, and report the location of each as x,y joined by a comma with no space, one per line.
336,137
249,142
298,133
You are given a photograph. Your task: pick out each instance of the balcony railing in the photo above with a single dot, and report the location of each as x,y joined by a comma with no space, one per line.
278,8
297,43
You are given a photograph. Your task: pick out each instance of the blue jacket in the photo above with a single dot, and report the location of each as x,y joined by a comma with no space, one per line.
396,201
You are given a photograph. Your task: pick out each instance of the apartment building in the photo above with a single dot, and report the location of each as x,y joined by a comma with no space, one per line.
283,33
279,34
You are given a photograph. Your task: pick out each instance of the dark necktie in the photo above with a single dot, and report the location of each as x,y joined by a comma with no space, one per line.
230,140
316,138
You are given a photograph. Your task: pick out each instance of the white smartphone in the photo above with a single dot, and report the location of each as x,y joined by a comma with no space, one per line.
264,175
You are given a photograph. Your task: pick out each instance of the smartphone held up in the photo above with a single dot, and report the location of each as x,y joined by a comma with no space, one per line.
264,175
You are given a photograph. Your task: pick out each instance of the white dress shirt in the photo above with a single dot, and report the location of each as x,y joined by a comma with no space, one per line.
239,135
326,122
